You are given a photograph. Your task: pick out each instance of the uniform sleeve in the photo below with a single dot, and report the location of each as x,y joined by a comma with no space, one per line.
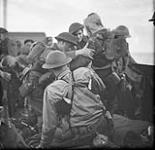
71,54
36,51
52,95
49,117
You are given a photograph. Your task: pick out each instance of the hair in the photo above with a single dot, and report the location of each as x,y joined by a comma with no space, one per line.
28,40
74,33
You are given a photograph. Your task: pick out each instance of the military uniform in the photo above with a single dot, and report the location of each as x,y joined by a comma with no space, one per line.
122,67
36,71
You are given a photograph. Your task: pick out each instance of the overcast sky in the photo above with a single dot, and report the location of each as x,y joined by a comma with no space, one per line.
55,16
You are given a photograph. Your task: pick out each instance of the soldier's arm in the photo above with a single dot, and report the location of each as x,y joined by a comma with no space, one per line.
36,51
84,51
49,117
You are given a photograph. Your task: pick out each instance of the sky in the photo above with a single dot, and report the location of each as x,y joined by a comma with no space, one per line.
55,16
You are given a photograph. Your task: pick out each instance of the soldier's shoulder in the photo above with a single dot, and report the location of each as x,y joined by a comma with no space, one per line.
82,74
58,84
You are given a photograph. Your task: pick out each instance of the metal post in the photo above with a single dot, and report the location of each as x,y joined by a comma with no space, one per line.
1,13
5,13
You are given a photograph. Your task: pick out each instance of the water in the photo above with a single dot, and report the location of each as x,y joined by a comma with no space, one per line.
144,58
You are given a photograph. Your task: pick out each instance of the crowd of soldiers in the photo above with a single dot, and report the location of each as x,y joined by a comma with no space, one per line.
83,90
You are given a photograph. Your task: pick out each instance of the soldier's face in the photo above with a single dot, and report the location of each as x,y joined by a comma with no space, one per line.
64,46
79,35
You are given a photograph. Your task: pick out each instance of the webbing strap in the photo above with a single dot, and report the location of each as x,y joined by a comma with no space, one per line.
70,94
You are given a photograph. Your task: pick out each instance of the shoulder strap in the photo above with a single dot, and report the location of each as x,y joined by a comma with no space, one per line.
70,94
71,91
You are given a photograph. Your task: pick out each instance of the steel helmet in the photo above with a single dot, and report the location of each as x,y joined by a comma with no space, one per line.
3,30
56,59
74,27
67,37
122,30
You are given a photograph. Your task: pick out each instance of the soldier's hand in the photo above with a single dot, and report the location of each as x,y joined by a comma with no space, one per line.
86,52
6,76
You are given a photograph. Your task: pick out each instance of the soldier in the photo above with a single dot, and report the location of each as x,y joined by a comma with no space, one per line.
9,138
124,54
101,40
81,57
129,77
34,91
8,78
77,30
62,100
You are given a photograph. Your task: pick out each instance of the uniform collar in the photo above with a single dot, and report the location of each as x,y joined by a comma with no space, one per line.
63,74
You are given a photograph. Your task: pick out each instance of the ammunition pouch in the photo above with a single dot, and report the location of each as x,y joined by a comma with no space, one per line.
63,108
